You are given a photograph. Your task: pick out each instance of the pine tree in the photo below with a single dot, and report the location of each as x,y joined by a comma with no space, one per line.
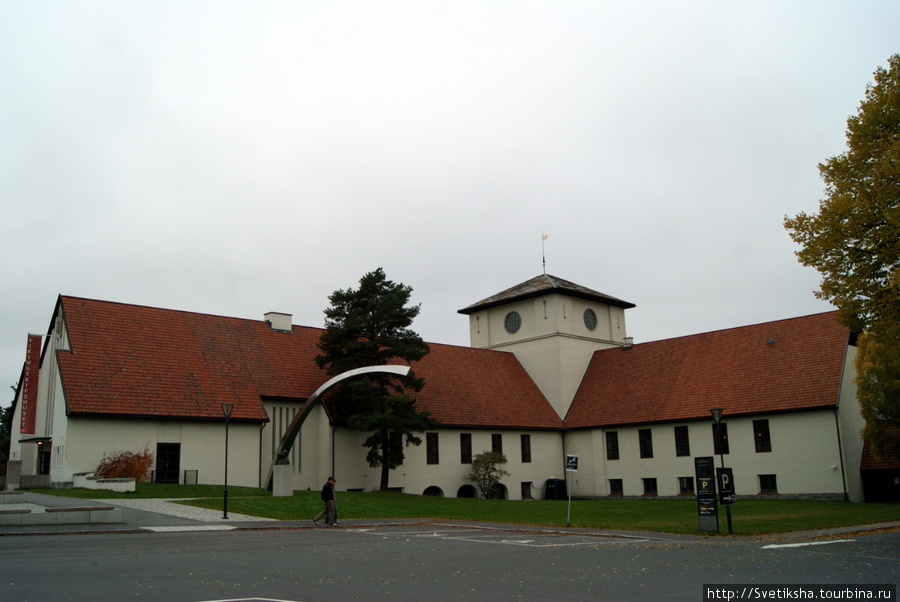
370,326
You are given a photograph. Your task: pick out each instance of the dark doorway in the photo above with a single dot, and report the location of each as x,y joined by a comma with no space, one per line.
168,462
881,485
43,461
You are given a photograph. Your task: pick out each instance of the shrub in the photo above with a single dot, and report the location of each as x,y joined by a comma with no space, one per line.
126,464
486,472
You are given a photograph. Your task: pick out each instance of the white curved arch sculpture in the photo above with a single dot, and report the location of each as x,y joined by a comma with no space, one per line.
287,441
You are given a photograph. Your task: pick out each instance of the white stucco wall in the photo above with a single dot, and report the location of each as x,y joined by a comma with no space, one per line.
805,456
546,315
49,412
202,446
416,475
851,423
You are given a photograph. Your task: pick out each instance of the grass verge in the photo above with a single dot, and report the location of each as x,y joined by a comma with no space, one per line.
750,517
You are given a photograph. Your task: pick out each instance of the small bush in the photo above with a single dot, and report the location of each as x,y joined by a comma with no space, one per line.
126,464
487,472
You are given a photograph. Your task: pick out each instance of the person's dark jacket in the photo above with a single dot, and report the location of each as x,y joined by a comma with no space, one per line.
327,492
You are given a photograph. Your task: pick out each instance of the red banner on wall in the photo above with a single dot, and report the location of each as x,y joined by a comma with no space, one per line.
30,383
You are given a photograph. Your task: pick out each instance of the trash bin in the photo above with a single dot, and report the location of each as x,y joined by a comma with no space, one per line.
555,489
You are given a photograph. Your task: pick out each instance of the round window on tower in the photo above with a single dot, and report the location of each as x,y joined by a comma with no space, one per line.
590,319
513,322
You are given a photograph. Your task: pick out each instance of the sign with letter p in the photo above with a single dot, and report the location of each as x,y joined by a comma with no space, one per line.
726,486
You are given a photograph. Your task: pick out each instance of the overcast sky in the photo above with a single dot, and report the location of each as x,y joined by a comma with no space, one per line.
235,158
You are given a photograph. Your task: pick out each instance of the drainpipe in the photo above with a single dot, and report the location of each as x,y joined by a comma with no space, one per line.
261,427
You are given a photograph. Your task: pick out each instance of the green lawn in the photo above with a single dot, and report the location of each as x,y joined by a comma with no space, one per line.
750,517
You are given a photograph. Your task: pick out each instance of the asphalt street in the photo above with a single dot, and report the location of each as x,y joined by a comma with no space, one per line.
439,561
154,556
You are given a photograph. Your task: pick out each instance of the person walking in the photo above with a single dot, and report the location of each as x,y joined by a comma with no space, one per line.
328,502
334,507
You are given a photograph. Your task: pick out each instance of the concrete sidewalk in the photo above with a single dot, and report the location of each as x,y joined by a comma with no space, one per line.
161,515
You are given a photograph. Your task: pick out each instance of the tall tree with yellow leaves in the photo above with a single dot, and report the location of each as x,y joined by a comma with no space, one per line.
854,242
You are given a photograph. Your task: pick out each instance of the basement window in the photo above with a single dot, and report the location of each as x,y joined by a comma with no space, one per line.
767,483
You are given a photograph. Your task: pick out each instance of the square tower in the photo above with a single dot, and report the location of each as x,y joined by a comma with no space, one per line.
553,326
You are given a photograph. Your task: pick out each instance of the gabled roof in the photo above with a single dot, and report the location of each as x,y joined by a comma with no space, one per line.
136,361
129,360
787,365
481,388
543,285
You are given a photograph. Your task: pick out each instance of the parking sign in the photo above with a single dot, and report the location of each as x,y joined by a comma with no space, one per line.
726,486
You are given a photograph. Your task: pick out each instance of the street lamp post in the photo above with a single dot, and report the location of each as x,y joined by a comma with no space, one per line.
717,416
226,409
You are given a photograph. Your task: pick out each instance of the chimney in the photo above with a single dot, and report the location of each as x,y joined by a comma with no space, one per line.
278,322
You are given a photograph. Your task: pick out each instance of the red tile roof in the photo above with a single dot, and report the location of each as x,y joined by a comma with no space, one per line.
793,364
871,461
136,361
481,388
141,361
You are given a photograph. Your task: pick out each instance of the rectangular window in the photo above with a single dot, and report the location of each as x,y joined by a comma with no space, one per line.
526,448
720,438
649,486
767,483
431,448
612,445
686,485
682,443
761,436
497,443
615,487
646,442
465,448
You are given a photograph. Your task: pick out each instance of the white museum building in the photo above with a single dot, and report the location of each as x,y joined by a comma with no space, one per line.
550,373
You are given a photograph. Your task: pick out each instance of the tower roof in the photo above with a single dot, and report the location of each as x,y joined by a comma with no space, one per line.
543,285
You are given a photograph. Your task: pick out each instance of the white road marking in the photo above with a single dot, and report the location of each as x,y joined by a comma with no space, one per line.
809,543
189,528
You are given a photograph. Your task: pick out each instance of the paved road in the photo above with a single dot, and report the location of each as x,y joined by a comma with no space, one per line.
439,561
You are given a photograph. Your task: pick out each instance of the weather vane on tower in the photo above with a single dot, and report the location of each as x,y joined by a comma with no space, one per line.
543,255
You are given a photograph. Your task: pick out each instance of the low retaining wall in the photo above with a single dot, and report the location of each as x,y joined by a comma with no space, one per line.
73,515
87,480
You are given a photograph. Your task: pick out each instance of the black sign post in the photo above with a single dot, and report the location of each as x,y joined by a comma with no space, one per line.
707,511
571,466
726,491
726,486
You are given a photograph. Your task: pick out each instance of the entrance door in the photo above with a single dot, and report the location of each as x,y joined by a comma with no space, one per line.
168,462
43,461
